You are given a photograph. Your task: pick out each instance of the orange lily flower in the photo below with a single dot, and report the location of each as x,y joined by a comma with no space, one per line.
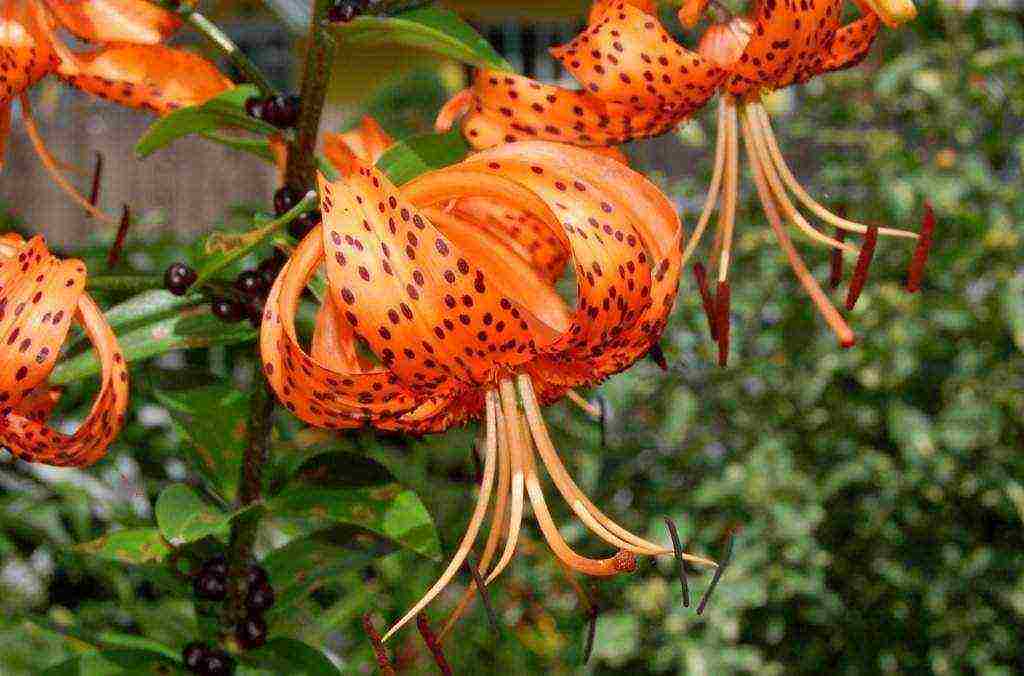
639,83
130,65
464,327
774,46
39,297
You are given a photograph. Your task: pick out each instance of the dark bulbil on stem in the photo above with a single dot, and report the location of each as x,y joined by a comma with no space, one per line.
178,278
344,11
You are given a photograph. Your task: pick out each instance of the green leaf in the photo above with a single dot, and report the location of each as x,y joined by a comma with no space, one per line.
136,546
221,112
139,309
184,517
221,249
288,656
115,639
389,510
408,159
117,662
435,30
217,442
308,563
190,328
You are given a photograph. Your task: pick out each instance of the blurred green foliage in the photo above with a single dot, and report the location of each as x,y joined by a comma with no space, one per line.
879,491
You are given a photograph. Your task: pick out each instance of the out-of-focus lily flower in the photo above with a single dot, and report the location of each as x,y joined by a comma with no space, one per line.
129,65
40,295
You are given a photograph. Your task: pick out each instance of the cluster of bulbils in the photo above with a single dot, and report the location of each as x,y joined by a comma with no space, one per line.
245,298
211,584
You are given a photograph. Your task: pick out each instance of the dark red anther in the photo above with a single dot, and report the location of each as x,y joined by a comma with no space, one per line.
916,271
592,613
836,274
722,565
383,661
97,176
677,549
114,255
722,304
657,355
860,273
477,465
485,597
705,297
432,644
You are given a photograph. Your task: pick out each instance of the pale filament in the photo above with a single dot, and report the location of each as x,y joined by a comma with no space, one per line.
572,494
825,307
498,526
474,523
716,183
727,214
763,121
52,165
757,134
513,431
588,408
613,565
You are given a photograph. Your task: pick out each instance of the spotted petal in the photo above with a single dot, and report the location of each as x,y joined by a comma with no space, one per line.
39,296
153,77
127,21
25,52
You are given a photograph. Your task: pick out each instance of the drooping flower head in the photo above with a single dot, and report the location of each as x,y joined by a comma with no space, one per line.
637,82
128,64
464,325
40,295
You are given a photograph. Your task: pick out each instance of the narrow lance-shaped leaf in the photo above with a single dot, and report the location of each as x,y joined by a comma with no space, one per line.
226,111
191,328
438,31
417,155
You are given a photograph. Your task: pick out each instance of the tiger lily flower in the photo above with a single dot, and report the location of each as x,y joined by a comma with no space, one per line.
39,296
639,83
464,326
129,66
772,47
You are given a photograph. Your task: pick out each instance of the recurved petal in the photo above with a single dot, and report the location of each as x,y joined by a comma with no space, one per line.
630,62
524,236
332,388
128,21
153,77
39,295
598,9
433,314
25,52
368,142
787,45
624,236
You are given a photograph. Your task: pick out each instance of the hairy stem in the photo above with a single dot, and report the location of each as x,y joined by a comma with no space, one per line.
300,172
250,490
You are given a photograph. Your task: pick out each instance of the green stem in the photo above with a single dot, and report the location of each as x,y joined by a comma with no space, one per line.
301,170
226,45
126,283
245,528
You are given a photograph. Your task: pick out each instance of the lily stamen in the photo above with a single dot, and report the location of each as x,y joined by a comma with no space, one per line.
924,245
835,275
680,564
52,167
860,273
433,645
383,660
